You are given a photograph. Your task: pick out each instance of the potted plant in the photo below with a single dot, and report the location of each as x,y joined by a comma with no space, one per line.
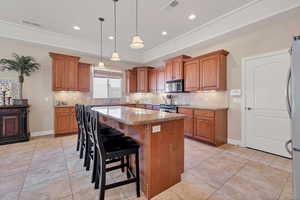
23,65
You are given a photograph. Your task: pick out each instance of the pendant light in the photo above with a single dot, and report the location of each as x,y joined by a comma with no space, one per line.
115,55
137,42
101,64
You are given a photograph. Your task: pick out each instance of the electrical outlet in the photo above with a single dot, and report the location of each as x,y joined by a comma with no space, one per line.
156,129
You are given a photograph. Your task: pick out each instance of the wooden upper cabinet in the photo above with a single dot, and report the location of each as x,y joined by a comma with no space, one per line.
142,79
168,72
160,78
192,75
131,81
177,69
64,72
84,77
213,68
174,68
152,80
58,71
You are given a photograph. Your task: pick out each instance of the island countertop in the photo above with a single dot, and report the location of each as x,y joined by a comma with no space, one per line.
136,116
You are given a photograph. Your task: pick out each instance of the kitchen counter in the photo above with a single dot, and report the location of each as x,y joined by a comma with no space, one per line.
136,116
161,139
204,107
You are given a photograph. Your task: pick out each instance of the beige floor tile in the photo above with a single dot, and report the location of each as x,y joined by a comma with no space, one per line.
262,157
86,194
192,191
282,163
244,153
54,189
255,181
217,170
12,168
9,185
39,175
55,163
80,181
287,192
75,165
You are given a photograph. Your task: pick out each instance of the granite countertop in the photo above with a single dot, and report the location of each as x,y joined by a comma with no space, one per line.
136,116
204,107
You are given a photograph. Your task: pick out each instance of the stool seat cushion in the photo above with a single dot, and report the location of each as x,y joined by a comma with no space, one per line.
119,144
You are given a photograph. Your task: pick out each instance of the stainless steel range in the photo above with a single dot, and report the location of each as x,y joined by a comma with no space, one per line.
168,108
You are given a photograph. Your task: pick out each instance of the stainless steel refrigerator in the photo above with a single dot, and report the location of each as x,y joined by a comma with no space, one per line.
293,102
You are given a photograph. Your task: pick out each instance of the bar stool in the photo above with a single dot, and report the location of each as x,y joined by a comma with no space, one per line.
107,131
109,151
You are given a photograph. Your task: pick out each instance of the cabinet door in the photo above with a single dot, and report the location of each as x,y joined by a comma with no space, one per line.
210,72
160,80
152,80
192,75
188,121
168,74
73,121
58,77
177,69
204,129
71,74
131,81
142,80
84,77
62,122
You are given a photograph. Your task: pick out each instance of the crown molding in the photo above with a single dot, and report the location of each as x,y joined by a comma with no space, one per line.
48,38
250,13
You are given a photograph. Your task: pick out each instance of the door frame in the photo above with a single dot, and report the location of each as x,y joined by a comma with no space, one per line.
243,87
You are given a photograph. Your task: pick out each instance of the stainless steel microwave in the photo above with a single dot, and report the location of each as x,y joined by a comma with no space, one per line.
174,86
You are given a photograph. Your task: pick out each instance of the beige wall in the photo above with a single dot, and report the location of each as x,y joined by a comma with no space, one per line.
38,87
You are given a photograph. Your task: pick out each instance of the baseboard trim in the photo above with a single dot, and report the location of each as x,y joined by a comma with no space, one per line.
41,133
234,142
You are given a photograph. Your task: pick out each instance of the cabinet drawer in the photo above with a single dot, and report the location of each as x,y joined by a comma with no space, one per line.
63,109
186,111
204,113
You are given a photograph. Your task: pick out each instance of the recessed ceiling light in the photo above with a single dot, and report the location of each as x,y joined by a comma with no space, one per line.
76,28
192,16
164,33
111,37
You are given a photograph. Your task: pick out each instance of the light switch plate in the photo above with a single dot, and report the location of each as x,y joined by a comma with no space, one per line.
156,129
235,92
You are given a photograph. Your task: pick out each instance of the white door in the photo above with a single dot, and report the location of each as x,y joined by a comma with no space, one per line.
267,124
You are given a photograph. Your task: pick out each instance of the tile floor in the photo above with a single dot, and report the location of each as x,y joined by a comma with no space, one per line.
49,168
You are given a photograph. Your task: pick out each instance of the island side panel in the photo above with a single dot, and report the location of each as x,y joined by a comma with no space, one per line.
166,156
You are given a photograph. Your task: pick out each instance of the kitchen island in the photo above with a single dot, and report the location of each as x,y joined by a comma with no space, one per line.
161,136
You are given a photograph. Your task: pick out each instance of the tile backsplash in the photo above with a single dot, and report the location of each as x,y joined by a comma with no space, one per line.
198,98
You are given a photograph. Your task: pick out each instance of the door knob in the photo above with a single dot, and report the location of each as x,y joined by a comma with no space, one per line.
248,108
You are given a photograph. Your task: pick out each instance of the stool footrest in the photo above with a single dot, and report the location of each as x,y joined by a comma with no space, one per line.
113,185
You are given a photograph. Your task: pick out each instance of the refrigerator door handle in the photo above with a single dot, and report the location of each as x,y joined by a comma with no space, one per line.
290,151
289,108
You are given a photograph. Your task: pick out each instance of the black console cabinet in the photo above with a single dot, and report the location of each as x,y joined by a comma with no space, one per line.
13,124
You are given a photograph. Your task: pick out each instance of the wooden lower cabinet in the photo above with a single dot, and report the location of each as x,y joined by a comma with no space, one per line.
65,121
204,129
206,125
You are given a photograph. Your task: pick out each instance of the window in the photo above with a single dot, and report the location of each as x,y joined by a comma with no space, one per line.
107,87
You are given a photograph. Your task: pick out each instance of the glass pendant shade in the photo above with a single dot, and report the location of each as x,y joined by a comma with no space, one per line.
115,57
137,42
101,65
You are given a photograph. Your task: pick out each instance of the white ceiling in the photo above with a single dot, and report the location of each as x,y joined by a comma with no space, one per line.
60,15
214,18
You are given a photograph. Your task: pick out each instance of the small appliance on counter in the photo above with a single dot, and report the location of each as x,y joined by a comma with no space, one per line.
175,86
